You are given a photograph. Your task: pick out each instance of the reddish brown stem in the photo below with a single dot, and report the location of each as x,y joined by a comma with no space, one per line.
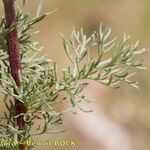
14,59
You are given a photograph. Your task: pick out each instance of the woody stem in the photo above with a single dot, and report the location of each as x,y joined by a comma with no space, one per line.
14,60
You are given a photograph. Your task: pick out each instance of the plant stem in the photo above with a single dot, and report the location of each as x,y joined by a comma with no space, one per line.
15,63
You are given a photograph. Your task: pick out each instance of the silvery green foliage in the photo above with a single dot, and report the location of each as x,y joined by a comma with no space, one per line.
41,89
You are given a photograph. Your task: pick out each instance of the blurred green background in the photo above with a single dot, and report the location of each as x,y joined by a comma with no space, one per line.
127,107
